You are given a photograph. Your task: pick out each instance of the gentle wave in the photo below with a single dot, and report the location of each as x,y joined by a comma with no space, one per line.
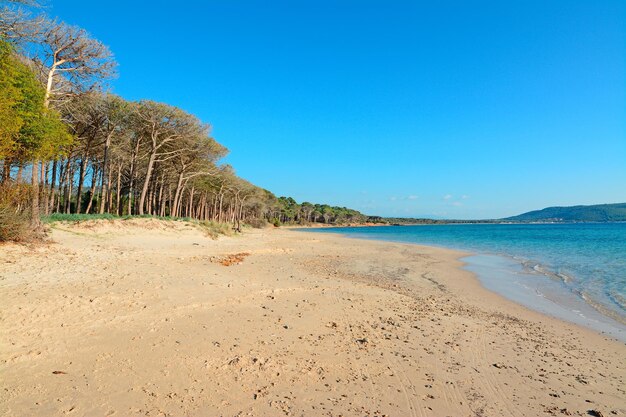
540,269
618,299
601,308
589,260
532,267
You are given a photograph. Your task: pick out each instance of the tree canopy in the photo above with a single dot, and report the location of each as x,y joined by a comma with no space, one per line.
27,128
90,151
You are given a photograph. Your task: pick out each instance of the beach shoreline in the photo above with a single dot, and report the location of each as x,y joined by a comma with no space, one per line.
156,319
525,279
539,292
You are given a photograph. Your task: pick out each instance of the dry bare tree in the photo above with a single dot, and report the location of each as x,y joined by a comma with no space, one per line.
69,54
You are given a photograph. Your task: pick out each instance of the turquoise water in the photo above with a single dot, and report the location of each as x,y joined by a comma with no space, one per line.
567,264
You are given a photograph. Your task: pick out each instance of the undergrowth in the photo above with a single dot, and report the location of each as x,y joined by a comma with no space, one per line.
15,213
215,229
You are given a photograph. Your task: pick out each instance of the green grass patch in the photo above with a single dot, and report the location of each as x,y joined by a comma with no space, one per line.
62,217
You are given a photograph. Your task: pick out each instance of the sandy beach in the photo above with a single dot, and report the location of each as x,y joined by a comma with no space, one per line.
153,318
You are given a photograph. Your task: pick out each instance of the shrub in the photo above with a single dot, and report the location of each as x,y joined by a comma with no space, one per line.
257,223
14,226
276,222
15,212
214,229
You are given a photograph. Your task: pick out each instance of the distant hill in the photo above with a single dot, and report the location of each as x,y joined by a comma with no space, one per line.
595,213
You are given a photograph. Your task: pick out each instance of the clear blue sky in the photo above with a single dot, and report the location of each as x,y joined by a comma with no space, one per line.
462,109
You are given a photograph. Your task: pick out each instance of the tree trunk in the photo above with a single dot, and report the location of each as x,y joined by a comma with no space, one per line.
70,185
133,165
6,171
144,190
214,212
57,205
34,219
169,199
219,215
109,194
190,204
20,169
179,212
53,179
45,171
46,102
81,179
53,187
150,199
92,191
118,189
177,195
161,196
105,174
162,199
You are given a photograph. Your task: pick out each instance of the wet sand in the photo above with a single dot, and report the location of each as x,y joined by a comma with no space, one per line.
152,318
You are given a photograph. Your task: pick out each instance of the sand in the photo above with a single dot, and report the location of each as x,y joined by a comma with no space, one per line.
149,318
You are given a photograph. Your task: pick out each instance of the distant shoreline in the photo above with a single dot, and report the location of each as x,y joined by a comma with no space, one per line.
439,222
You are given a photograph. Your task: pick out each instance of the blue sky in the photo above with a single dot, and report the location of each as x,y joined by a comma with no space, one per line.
458,109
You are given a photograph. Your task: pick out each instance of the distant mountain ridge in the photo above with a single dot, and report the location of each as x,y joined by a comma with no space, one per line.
595,213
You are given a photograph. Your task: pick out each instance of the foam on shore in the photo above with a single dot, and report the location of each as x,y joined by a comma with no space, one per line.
533,289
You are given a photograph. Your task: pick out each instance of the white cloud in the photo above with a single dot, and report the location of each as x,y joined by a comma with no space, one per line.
447,196
412,197
465,197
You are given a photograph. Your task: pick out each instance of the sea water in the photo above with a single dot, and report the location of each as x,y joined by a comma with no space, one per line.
576,272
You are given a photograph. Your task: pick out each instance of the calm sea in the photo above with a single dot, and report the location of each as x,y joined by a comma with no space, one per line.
573,271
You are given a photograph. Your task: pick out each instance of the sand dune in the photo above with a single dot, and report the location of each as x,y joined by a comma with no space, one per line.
149,318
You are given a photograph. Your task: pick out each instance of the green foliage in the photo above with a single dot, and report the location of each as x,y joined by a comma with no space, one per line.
27,129
287,210
63,217
11,120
